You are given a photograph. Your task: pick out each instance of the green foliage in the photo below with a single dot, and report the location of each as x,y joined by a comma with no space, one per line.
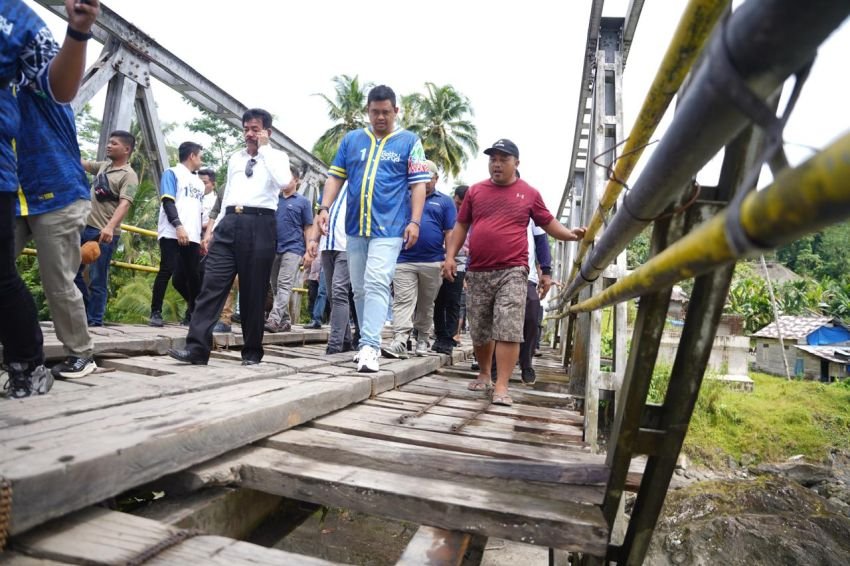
225,138
88,132
441,119
821,256
777,420
637,252
348,112
749,297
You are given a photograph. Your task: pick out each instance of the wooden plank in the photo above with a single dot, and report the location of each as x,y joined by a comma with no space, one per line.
559,524
457,387
501,421
435,547
220,551
96,536
478,429
67,402
525,412
341,422
221,511
558,481
99,536
15,559
150,439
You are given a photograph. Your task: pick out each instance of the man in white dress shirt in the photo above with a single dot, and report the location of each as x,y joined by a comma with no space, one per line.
242,243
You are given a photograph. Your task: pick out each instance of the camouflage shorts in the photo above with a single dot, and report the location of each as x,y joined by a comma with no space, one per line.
495,304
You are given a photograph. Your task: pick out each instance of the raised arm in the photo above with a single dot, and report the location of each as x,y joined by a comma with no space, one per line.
67,68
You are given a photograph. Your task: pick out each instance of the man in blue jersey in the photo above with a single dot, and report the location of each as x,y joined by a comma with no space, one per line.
179,230
417,277
29,55
386,173
52,209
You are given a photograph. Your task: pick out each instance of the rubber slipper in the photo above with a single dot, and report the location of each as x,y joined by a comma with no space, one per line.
479,385
503,400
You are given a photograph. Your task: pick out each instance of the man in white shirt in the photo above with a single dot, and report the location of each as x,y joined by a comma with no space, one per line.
179,230
242,243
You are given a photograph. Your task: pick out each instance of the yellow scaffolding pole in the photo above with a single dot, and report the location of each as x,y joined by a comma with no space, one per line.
137,230
691,34
801,200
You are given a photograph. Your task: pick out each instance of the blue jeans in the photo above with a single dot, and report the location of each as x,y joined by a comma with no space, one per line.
371,264
321,300
97,292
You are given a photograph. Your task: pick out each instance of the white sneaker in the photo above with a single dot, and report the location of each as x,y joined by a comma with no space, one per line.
396,349
368,362
421,347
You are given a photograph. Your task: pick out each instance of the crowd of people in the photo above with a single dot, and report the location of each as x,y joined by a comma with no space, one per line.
382,240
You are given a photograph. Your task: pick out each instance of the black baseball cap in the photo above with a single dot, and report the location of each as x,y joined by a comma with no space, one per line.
505,146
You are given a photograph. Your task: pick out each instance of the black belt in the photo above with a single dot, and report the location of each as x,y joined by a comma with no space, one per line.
248,210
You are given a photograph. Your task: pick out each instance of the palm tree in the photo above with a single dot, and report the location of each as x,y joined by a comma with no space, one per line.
347,109
440,118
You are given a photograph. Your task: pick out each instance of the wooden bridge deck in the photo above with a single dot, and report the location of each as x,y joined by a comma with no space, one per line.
410,443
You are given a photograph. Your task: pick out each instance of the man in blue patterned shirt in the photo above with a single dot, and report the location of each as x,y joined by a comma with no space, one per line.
386,172
29,55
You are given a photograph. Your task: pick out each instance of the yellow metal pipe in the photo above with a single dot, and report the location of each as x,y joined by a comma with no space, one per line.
133,266
801,200
691,34
137,230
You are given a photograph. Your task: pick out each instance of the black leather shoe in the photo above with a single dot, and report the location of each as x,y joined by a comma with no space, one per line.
249,362
187,356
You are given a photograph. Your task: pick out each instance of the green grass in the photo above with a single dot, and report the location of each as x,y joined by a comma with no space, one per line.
777,420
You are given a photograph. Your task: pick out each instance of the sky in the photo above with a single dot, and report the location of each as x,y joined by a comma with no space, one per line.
518,63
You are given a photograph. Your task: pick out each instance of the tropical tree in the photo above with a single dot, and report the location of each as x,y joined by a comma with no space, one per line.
225,138
347,109
441,118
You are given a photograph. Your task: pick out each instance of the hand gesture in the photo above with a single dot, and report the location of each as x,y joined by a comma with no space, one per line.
449,269
106,235
411,235
182,236
263,137
544,286
81,16
579,232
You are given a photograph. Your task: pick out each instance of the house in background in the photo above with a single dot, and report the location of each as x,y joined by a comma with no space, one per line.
816,347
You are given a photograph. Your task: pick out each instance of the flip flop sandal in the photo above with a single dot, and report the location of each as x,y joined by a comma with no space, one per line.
503,400
477,385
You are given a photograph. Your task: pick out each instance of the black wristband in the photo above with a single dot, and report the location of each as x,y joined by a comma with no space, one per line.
78,35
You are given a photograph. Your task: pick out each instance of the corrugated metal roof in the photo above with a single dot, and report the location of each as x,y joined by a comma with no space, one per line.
837,355
793,327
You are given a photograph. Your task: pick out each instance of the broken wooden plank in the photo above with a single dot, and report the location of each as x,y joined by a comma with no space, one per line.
555,480
559,524
100,536
221,511
148,440
220,551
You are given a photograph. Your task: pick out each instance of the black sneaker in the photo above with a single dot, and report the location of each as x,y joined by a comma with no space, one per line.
156,319
313,325
24,382
74,367
528,376
236,317
187,318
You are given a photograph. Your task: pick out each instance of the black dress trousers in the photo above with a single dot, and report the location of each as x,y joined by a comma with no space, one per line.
243,245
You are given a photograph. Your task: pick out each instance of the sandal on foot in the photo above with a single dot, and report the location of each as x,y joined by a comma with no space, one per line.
504,400
477,385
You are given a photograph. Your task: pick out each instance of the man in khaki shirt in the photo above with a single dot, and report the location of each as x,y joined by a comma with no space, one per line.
112,194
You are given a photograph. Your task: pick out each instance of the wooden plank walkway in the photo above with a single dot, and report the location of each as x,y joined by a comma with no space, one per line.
409,442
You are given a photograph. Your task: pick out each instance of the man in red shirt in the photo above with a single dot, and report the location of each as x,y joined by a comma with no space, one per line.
498,211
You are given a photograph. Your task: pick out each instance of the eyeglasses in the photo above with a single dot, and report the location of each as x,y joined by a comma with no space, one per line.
249,168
